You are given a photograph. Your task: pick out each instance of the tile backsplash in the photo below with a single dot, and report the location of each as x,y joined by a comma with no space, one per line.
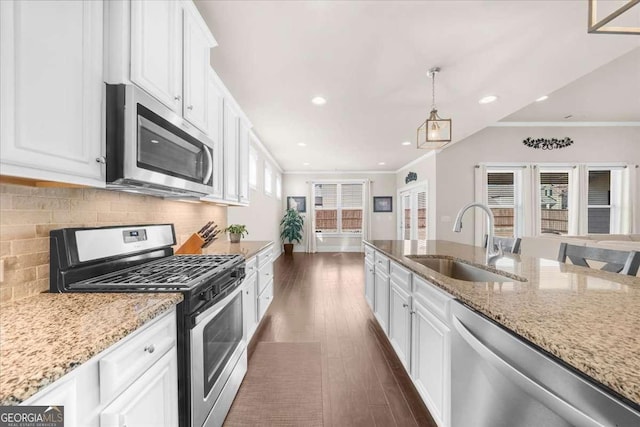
28,213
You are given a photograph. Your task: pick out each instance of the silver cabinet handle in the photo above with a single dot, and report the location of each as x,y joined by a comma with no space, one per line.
412,312
102,160
190,107
405,305
177,98
150,349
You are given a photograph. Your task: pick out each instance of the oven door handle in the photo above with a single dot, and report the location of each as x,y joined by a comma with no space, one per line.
213,311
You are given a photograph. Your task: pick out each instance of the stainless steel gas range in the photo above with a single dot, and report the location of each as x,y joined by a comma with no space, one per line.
212,355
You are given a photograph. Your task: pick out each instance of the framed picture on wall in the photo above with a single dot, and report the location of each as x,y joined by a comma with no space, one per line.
298,203
383,204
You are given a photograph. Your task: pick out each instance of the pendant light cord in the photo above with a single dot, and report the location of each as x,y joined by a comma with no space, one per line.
433,90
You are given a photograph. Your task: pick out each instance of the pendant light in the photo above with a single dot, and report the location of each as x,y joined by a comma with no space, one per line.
435,132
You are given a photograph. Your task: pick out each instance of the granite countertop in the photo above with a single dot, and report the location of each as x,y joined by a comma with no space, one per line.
46,336
588,318
246,248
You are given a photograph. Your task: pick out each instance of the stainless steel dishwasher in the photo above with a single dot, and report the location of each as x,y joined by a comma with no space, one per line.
498,380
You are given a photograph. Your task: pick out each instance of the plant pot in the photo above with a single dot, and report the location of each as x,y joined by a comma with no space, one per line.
288,248
235,237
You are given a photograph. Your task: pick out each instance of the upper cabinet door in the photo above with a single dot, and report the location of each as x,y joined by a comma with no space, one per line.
51,84
215,118
197,46
156,50
231,123
243,162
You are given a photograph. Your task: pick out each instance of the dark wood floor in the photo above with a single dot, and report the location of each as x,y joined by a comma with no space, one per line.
320,297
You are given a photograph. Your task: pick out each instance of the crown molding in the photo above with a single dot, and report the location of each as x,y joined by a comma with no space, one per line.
564,124
311,172
256,141
419,159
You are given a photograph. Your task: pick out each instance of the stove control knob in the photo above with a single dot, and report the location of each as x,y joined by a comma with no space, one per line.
205,296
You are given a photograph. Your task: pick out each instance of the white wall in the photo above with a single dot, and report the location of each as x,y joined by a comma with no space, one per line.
455,164
425,168
262,216
382,224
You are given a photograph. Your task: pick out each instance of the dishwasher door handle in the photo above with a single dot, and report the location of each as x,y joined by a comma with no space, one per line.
544,396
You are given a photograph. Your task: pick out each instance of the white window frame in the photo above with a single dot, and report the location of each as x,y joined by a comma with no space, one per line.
253,168
615,206
518,196
279,186
339,208
572,203
268,179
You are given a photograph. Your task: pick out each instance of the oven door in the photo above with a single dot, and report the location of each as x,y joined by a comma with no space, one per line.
217,342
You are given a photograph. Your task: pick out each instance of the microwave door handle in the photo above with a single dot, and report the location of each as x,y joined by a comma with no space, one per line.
210,168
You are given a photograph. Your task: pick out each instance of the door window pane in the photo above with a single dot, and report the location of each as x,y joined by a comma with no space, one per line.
599,199
422,215
554,202
406,219
501,201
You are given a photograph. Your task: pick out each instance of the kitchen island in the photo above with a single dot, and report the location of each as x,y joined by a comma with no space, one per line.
588,319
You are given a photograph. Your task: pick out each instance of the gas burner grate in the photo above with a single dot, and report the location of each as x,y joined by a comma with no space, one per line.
178,271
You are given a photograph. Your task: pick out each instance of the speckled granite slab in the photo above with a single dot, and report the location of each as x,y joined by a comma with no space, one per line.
246,248
587,318
45,336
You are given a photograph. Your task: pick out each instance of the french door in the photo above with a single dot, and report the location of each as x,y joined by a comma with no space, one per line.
413,213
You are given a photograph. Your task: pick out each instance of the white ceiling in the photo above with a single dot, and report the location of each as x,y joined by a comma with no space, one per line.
609,94
369,59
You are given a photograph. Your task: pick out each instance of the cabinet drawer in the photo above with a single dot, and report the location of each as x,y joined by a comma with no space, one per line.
251,266
265,257
368,253
382,262
433,298
400,276
265,276
265,298
131,358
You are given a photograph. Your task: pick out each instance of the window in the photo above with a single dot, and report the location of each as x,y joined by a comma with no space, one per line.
268,179
413,220
604,194
253,168
501,199
279,186
338,207
554,201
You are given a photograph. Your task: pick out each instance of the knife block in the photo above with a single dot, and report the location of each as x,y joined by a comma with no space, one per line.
193,246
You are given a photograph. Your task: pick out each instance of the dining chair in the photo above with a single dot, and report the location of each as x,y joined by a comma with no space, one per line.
616,261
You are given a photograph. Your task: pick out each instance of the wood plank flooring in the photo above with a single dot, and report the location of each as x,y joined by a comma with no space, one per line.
320,297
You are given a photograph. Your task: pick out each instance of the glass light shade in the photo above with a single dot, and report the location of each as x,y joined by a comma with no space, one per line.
434,132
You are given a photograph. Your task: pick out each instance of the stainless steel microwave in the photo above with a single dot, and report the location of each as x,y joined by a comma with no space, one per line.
152,150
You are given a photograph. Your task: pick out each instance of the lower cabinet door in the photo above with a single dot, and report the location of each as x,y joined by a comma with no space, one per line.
64,394
249,305
264,300
152,400
381,300
431,362
369,279
400,323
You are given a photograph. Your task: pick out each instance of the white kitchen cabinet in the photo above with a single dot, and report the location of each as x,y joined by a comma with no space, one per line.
197,45
230,132
133,382
51,80
400,322
369,282
265,299
249,304
381,299
243,161
431,362
214,130
152,400
156,49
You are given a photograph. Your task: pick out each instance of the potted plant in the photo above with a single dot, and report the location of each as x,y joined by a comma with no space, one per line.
291,225
236,231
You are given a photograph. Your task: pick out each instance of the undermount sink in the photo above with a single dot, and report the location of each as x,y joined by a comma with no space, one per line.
460,270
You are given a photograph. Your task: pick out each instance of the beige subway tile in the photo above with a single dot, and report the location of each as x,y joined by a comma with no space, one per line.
14,232
6,293
42,230
98,194
15,189
5,249
31,202
106,218
22,275
31,260
73,217
58,192
42,271
29,246
119,206
6,201
90,205
13,217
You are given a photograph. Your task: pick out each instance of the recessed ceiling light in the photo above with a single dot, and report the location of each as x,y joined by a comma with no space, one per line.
318,100
487,99
306,164
381,163
542,98
301,144
406,143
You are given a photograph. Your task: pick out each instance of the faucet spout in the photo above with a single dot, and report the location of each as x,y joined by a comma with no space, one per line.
491,254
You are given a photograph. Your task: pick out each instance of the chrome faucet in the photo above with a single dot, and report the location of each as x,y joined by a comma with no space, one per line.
491,255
